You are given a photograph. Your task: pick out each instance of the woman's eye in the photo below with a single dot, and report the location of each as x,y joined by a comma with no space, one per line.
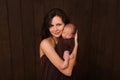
58,24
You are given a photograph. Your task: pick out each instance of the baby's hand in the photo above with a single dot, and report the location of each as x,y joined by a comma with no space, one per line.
66,55
71,56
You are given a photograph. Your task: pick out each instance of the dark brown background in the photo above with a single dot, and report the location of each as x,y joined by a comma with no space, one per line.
98,22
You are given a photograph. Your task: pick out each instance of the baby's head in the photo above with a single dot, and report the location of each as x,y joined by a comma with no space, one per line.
69,31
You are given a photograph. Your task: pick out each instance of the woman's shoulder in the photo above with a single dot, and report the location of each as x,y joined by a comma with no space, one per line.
45,41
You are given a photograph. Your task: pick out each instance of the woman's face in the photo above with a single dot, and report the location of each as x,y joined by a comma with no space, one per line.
56,27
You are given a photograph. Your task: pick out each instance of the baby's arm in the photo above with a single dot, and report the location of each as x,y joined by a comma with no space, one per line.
66,58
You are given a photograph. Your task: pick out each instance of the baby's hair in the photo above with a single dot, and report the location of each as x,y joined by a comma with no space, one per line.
72,26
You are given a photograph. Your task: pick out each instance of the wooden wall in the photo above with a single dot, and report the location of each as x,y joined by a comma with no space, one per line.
98,22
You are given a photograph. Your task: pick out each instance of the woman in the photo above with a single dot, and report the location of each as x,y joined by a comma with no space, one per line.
50,61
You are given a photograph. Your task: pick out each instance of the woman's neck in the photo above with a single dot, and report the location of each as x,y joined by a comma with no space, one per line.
55,39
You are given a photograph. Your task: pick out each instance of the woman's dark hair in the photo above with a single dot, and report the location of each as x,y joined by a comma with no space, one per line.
47,21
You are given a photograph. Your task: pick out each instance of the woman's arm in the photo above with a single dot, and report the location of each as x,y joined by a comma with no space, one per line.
48,49
72,61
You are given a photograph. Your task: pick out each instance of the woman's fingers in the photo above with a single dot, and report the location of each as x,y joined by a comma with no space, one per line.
76,37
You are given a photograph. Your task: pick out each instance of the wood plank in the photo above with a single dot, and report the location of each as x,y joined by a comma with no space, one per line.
5,52
28,39
38,19
16,40
116,44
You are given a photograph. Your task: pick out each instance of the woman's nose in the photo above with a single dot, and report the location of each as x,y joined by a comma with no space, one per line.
55,28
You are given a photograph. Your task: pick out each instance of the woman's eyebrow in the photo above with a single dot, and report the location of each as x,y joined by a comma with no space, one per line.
58,24
51,25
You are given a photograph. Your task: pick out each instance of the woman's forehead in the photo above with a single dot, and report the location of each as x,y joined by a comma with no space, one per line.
56,20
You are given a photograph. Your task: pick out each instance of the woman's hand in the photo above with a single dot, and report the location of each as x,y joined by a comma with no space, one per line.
76,38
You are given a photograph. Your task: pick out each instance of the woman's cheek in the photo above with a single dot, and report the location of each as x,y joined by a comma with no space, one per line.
61,28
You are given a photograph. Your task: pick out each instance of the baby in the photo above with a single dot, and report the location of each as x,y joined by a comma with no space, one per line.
66,44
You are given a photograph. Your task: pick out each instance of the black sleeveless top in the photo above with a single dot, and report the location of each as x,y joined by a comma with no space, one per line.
49,72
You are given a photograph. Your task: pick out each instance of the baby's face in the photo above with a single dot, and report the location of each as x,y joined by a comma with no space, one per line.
67,33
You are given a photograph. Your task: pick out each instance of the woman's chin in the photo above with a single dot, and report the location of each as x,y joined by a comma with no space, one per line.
57,36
